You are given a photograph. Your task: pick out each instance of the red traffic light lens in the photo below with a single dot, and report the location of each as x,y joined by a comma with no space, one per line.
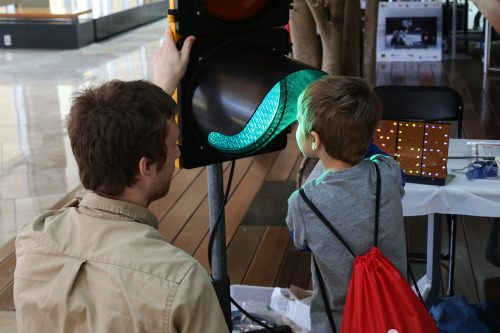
235,10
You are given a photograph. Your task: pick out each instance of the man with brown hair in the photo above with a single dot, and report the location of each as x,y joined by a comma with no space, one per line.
100,264
337,117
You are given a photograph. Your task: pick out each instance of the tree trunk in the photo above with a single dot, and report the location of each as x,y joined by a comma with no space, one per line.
329,18
305,42
351,48
370,41
339,26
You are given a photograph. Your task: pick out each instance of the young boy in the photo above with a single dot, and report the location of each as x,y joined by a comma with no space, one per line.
337,117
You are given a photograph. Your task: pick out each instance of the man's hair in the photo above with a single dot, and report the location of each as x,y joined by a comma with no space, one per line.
111,127
344,111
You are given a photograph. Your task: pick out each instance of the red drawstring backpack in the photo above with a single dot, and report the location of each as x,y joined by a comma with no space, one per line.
379,299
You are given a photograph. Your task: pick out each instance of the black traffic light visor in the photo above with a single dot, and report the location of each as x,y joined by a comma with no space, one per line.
241,95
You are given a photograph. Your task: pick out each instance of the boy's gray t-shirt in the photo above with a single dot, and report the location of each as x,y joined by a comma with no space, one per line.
347,199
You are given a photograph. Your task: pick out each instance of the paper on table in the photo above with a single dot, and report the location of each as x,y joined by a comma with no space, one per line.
483,149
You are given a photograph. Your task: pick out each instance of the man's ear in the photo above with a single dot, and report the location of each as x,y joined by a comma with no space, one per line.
145,167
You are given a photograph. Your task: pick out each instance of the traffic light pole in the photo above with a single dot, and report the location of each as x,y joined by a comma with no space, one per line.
220,280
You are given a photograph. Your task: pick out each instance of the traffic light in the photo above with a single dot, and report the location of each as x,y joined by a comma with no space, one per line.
239,95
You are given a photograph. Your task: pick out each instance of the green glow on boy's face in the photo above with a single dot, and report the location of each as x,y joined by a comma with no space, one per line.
277,111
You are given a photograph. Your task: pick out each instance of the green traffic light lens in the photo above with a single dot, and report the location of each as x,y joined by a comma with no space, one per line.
260,126
276,112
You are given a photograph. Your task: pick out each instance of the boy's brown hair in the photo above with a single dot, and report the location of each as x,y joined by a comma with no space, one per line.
344,111
111,127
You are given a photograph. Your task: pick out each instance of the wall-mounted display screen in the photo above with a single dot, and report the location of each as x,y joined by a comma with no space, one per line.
410,32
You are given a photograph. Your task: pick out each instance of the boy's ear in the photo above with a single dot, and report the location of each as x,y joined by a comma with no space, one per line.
144,166
315,140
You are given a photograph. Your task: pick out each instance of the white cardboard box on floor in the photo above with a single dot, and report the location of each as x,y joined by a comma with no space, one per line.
242,293
294,303
295,308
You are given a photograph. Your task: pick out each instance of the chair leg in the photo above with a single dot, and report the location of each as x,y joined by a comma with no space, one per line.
451,250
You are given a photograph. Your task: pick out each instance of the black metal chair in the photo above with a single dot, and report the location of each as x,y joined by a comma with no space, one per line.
429,103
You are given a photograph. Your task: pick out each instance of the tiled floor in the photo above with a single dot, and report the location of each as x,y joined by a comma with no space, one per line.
37,168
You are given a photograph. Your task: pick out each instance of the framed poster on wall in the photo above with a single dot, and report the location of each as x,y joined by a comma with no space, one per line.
409,31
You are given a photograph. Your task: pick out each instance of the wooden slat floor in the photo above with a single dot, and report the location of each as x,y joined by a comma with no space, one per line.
263,255
259,255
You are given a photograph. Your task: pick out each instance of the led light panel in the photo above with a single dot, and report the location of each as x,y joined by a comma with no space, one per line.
435,150
385,136
409,146
420,148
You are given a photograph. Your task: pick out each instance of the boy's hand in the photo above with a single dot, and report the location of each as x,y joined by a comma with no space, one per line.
169,64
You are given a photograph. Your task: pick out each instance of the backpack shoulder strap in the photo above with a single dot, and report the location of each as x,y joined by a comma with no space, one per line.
324,220
377,204
324,296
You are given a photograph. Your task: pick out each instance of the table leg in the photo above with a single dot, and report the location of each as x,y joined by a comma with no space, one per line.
452,252
429,284
493,246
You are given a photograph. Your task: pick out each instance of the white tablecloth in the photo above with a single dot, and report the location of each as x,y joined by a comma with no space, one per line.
478,197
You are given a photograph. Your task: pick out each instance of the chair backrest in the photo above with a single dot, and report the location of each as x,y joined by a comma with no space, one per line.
428,103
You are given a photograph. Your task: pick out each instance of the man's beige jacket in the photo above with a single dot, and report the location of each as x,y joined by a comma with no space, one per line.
100,265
